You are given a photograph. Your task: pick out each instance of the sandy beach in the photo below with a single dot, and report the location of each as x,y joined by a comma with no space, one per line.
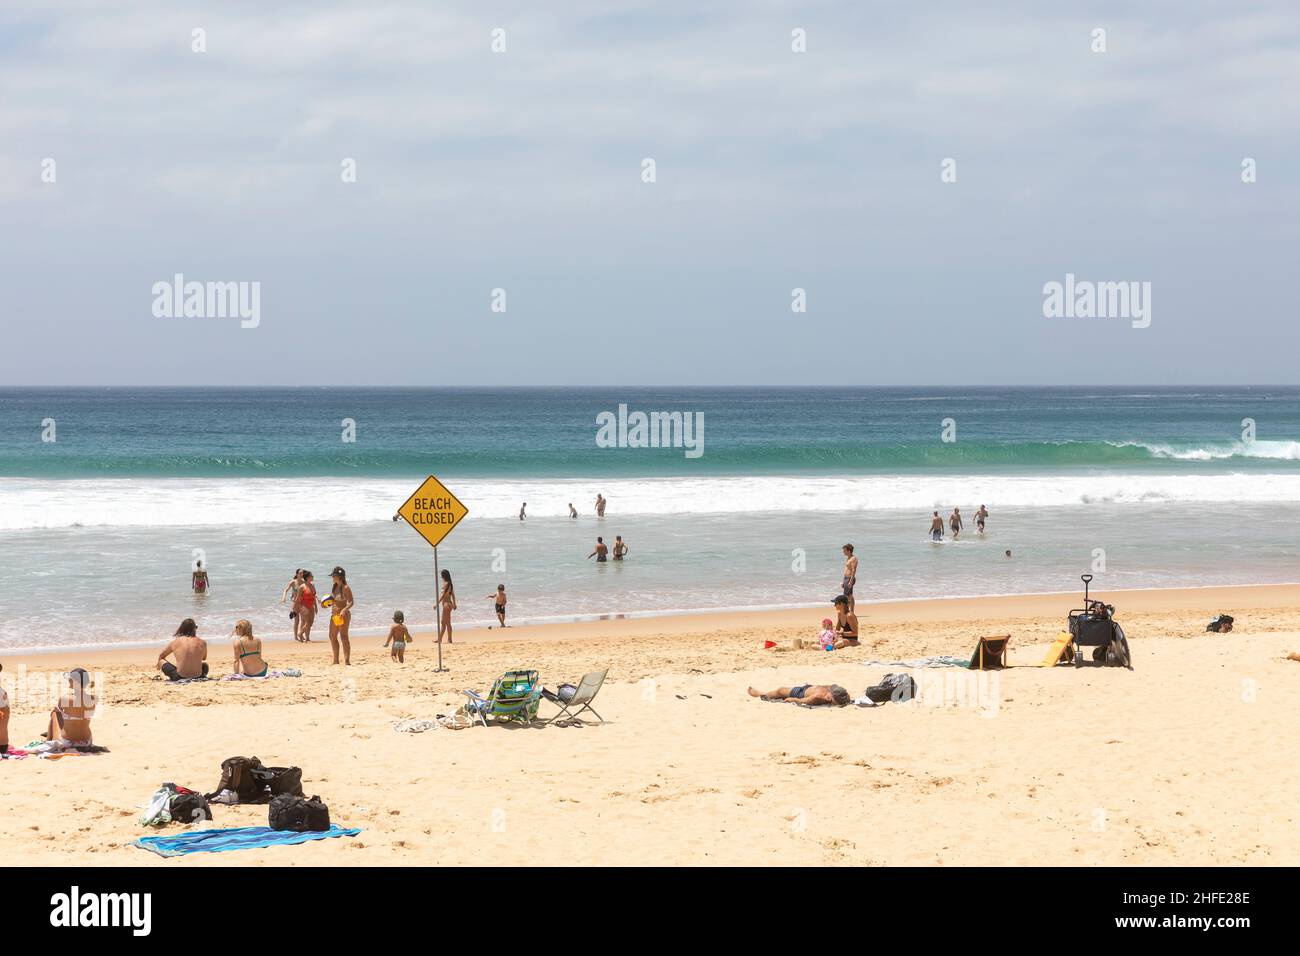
1191,758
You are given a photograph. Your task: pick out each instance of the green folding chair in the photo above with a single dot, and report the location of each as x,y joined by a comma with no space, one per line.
515,696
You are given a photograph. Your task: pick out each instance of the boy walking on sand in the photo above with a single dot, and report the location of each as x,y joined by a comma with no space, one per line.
500,597
399,636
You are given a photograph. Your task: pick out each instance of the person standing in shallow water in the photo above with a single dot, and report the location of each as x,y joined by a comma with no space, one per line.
602,551
340,615
199,579
446,604
600,505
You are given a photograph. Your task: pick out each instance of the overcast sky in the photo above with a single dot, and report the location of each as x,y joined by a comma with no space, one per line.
522,170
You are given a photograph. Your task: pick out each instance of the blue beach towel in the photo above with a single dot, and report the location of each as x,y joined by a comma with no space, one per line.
237,838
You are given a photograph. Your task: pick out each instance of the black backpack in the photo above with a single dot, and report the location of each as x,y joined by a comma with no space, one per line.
288,812
1221,624
896,687
245,776
189,808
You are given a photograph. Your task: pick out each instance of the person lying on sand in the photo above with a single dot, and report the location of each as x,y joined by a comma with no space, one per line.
810,694
70,719
191,653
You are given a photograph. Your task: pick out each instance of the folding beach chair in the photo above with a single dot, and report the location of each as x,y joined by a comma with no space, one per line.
579,702
990,653
515,695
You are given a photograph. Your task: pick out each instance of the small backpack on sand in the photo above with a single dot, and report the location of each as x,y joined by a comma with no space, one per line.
243,776
288,812
895,687
1221,624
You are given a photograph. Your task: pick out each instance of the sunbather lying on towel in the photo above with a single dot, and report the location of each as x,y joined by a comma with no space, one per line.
70,719
808,694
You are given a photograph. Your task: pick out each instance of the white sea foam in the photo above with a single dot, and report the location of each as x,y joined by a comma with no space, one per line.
174,502
1274,450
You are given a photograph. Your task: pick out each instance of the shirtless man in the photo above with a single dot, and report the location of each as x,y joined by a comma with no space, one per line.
199,579
573,512
936,528
810,694
850,573
980,517
620,547
602,551
600,505
954,523
191,653
521,510
500,598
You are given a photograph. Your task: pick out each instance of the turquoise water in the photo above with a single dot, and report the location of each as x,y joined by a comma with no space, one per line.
99,527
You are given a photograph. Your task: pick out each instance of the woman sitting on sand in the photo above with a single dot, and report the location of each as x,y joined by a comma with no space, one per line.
70,720
4,719
248,652
846,630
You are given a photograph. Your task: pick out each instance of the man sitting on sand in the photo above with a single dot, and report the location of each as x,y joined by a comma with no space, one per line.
191,654
810,694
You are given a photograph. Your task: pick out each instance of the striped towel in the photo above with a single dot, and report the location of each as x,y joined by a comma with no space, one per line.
237,838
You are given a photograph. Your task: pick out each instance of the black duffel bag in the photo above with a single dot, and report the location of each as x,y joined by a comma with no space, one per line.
282,780
288,812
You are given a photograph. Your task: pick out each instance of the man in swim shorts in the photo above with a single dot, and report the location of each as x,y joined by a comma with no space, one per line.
850,573
980,517
809,694
602,551
936,528
954,523
191,653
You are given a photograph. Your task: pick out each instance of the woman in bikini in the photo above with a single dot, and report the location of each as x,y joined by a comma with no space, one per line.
446,604
248,652
70,719
340,615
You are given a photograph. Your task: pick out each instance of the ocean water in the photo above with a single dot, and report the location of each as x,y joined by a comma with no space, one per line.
99,528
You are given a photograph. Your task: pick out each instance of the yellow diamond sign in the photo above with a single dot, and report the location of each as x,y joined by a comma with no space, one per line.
433,510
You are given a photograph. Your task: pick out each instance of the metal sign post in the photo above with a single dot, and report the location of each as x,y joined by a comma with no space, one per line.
433,511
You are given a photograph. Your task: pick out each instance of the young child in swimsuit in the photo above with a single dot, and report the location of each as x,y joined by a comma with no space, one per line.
500,606
399,636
